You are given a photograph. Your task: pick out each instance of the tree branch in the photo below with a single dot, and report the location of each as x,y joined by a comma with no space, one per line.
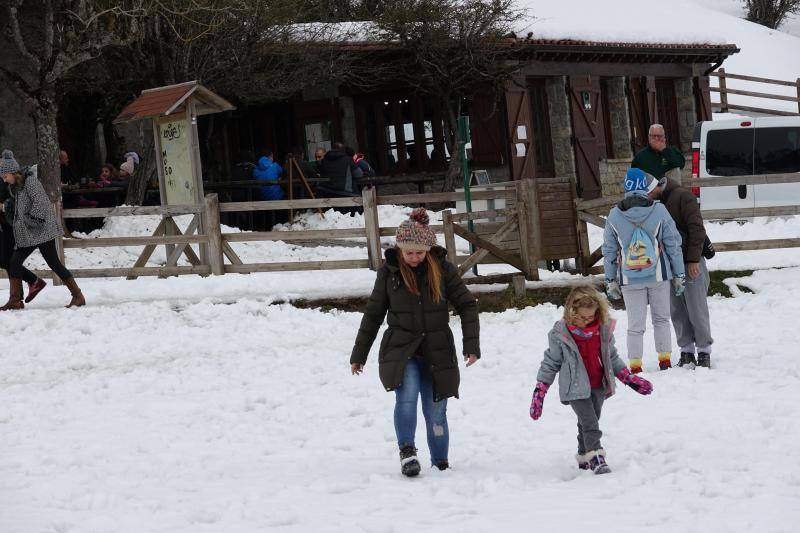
16,34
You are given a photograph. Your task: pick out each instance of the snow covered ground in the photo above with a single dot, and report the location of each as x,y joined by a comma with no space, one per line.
191,405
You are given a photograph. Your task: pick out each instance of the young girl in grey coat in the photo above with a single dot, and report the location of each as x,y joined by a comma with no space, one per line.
582,352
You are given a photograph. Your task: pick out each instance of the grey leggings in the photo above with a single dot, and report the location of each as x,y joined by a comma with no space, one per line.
588,412
48,249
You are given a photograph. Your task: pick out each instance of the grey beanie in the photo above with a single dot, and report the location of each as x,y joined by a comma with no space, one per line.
8,165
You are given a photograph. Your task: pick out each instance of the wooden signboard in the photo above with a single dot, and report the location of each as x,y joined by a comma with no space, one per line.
176,161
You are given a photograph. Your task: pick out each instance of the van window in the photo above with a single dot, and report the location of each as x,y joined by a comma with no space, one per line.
777,150
729,152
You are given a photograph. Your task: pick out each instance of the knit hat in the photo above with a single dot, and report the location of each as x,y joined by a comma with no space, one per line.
638,182
8,165
127,166
414,233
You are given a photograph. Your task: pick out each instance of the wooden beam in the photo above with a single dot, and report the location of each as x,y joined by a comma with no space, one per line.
730,181
125,211
592,219
755,212
133,241
756,94
510,225
494,250
141,261
756,245
297,266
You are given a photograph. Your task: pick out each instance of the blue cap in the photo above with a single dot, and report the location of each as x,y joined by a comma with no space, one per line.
637,181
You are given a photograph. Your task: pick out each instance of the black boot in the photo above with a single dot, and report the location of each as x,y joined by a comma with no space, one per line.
704,359
687,360
409,465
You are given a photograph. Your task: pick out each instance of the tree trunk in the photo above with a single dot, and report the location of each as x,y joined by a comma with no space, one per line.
47,146
137,185
452,177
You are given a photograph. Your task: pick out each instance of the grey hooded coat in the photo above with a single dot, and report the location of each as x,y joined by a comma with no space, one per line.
562,357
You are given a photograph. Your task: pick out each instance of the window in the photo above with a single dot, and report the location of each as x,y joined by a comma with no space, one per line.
729,152
777,150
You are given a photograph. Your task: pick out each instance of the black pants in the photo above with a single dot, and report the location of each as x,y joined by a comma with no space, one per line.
7,243
50,255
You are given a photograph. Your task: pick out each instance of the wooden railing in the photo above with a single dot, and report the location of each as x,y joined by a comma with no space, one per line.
724,106
594,212
214,246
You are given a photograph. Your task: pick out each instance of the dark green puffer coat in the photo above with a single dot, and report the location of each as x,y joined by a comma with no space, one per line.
418,325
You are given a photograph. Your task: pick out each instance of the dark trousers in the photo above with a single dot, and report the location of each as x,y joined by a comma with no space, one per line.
7,243
48,250
588,412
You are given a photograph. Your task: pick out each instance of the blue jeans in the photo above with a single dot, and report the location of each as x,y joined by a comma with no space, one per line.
417,381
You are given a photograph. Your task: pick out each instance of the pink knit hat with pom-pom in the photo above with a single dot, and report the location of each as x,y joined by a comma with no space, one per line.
414,233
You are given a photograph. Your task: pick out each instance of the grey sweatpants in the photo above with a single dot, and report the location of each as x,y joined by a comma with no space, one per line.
588,412
637,297
690,314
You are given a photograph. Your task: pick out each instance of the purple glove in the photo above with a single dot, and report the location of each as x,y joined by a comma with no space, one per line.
640,385
538,400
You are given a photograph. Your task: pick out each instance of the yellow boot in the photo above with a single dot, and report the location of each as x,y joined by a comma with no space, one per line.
664,360
635,364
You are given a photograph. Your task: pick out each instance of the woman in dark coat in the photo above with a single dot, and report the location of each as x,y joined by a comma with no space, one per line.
7,240
35,227
417,354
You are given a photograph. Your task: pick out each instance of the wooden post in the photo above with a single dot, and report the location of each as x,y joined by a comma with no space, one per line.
527,215
372,227
449,236
723,92
797,82
213,257
518,283
582,261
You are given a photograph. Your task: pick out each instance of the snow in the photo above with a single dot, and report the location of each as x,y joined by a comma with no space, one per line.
764,52
189,405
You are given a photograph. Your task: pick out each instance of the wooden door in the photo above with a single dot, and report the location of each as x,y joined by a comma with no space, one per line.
519,129
588,138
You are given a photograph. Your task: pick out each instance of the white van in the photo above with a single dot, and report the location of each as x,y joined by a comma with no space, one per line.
743,147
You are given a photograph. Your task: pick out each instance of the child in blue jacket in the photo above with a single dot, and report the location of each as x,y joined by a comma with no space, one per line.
642,255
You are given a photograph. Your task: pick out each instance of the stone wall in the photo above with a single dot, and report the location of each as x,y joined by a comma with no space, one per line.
612,174
684,96
560,127
620,121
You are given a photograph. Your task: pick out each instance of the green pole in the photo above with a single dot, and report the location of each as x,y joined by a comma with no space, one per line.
463,138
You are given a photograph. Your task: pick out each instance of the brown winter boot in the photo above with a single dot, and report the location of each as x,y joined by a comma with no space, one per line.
77,296
14,295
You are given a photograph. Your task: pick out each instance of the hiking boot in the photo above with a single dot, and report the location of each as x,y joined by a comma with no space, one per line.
409,464
664,362
442,465
597,462
77,299
583,462
704,359
636,365
14,295
687,360
34,289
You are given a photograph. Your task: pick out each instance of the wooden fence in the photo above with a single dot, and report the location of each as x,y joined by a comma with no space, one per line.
724,106
519,247
594,212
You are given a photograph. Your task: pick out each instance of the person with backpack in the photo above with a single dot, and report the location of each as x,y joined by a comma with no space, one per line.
639,233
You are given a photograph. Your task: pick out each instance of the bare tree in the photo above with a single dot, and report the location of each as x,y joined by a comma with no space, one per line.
54,37
451,50
771,13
